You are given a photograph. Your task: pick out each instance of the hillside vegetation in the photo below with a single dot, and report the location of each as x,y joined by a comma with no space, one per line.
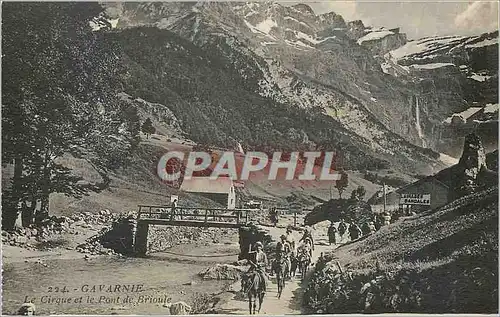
442,261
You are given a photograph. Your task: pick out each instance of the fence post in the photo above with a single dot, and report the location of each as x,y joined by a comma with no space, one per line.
295,218
206,215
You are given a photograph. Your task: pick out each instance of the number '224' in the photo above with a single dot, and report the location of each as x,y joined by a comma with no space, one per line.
56,289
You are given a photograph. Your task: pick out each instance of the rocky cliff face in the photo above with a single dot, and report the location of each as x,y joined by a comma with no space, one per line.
372,81
452,74
470,171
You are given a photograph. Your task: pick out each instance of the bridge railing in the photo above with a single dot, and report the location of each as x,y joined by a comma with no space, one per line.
160,212
285,210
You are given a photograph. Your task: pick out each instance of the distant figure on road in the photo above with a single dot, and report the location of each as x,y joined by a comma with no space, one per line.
273,215
372,227
366,228
173,208
342,228
379,221
332,230
354,231
387,218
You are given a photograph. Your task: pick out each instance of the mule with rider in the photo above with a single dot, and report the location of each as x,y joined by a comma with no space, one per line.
254,281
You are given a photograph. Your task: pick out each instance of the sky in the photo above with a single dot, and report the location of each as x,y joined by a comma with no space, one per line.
417,19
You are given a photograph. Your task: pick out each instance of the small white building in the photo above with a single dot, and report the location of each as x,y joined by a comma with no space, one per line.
220,190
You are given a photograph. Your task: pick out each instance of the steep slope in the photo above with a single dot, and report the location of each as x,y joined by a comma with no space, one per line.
446,261
201,85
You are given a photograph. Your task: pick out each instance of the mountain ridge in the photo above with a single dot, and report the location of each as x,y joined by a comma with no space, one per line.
284,71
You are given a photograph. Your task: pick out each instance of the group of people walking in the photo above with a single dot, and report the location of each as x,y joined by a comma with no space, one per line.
354,230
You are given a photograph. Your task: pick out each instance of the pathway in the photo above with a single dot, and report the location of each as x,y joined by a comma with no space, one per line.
291,297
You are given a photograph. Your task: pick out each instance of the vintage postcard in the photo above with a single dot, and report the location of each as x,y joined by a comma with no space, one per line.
271,158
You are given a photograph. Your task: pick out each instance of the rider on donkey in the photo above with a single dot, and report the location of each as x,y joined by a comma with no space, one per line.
307,238
290,240
260,264
285,251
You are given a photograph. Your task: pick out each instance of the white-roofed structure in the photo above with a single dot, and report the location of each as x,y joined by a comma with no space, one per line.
220,190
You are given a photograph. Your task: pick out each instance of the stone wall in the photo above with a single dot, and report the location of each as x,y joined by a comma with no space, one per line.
249,235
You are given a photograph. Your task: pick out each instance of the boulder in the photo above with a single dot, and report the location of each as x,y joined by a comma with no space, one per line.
222,272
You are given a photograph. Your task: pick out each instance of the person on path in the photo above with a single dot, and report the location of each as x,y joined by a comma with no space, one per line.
342,228
173,208
354,231
291,240
372,227
259,264
332,234
285,251
273,215
366,228
387,218
307,235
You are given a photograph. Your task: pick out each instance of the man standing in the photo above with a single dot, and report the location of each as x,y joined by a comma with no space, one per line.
354,231
173,208
332,231
342,229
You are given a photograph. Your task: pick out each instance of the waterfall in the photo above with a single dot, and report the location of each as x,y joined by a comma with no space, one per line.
419,128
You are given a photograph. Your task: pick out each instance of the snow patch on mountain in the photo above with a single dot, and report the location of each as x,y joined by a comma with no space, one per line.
431,65
423,45
448,160
375,35
479,78
266,26
298,44
464,115
491,108
486,42
307,37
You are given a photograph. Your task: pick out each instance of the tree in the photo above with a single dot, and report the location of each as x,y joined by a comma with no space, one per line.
147,127
342,183
59,96
358,193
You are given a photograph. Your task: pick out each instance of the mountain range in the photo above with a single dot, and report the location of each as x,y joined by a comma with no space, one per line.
272,76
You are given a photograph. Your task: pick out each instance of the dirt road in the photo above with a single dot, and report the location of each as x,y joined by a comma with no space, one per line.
291,297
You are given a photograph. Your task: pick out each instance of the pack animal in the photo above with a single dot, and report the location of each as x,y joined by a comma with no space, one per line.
280,267
304,259
253,286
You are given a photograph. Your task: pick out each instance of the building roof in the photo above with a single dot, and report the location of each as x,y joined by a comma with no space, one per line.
221,185
427,179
